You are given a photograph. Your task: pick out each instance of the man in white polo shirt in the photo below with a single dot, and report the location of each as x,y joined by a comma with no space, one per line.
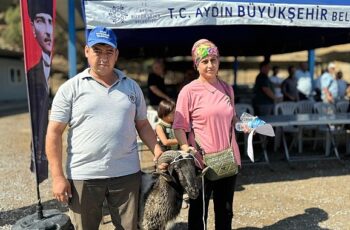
103,108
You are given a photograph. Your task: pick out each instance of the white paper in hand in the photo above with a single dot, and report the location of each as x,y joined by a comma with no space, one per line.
250,150
266,130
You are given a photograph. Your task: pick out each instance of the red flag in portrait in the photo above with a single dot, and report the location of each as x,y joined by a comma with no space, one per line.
38,20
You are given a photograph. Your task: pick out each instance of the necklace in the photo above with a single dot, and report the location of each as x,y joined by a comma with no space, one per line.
212,91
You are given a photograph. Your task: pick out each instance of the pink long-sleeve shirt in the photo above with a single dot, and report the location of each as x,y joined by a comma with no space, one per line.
208,110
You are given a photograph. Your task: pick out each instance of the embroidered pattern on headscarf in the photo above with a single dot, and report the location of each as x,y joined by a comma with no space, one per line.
203,50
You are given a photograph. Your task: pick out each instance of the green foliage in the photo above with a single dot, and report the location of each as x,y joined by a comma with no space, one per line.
12,34
61,41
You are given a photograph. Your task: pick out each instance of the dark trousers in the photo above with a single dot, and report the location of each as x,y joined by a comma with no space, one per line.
121,194
222,192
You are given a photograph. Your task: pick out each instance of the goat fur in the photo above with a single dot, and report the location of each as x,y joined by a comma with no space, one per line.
161,201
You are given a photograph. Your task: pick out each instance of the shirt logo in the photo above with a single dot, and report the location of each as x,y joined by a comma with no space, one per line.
132,98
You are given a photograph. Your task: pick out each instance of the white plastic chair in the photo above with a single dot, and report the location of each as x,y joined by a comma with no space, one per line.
243,107
305,107
285,108
324,108
152,117
342,106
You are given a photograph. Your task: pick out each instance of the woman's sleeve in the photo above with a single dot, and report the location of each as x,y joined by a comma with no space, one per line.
232,96
182,111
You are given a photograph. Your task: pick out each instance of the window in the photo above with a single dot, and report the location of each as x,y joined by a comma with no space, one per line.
15,75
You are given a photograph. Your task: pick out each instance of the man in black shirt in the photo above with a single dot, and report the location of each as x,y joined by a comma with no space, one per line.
156,85
264,96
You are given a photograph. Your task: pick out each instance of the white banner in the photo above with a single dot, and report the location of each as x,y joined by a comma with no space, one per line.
129,14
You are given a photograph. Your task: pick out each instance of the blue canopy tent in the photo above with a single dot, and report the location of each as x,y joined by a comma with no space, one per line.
159,28
239,28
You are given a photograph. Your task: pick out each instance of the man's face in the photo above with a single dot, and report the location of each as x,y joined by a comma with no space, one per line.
304,66
101,59
265,69
42,28
158,68
331,70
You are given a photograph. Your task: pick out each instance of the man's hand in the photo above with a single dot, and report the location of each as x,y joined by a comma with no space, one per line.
328,94
157,153
61,189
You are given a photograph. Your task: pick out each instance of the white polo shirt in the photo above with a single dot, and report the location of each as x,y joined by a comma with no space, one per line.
101,134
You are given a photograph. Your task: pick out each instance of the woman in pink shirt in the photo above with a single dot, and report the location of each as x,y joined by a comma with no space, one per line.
205,110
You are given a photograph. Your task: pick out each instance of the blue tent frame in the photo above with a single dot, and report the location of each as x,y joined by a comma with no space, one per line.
234,40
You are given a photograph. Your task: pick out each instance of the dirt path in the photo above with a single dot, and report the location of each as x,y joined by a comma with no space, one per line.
314,195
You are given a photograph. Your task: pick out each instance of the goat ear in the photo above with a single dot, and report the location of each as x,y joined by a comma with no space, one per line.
166,176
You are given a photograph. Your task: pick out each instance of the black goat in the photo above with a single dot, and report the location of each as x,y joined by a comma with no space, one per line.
161,200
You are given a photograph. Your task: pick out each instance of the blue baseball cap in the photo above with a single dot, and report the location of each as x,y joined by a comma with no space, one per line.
102,35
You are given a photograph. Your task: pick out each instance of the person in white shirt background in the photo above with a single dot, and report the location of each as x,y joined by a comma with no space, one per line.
304,81
277,82
329,85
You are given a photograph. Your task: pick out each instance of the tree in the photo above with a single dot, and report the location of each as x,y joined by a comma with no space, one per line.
12,34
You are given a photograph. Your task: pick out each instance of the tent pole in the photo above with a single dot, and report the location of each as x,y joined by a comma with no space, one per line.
39,207
311,63
71,43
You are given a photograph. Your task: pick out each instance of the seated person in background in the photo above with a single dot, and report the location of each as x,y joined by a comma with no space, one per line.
264,96
276,81
289,86
164,131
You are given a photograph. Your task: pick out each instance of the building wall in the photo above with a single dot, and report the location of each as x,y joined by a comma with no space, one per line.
12,80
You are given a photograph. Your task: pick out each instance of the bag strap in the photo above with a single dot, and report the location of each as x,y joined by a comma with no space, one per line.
198,145
232,103
330,84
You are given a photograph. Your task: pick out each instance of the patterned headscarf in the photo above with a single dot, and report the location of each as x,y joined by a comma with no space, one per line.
203,48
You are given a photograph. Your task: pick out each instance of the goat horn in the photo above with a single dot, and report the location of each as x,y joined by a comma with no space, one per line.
168,156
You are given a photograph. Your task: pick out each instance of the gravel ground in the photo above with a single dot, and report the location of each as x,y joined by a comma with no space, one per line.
313,195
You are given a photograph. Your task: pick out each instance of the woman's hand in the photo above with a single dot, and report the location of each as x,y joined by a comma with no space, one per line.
246,128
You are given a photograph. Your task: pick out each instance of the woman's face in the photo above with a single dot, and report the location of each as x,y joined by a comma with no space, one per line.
208,67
